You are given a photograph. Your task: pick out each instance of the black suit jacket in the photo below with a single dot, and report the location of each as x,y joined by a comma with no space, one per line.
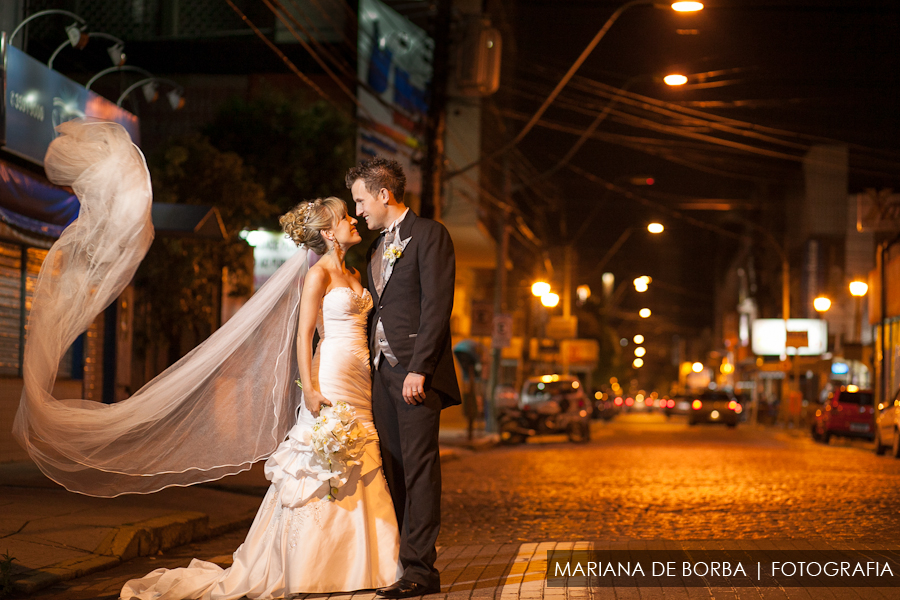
416,303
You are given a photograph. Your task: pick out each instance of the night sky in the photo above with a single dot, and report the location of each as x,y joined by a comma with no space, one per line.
793,73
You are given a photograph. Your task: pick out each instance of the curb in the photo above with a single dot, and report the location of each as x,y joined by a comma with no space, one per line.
127,542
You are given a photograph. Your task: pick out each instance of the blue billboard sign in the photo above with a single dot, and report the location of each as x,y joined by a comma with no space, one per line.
37,99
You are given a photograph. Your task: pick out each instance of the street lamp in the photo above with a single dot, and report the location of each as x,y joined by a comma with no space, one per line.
687,6
550,299
540,288
655,228
677,6
858,289
821,304
644,313
638,339
637,363
640,351
675,79
583,292
697,367
680,7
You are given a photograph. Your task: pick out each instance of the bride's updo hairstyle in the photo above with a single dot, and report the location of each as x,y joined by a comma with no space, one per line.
305,222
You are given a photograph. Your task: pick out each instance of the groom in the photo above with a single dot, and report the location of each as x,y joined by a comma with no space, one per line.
411,272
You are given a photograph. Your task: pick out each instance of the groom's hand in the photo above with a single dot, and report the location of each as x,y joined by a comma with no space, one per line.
414,388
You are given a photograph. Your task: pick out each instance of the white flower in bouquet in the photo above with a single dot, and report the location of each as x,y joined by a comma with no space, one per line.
338,440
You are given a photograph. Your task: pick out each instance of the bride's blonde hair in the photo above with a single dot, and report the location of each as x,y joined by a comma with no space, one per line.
305,222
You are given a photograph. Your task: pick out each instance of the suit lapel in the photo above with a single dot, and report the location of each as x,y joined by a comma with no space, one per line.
405,231
373,286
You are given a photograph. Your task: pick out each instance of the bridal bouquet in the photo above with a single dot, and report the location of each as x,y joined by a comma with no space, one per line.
338,440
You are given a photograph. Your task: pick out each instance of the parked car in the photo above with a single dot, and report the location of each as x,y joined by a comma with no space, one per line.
605,406
548,404
848,412
679,405
887,427
715,406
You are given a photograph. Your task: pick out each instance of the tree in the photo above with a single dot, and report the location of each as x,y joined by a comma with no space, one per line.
180,280
298,151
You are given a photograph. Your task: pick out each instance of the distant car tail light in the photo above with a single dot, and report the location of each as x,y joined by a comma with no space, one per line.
731,405
629,401
618,401
696,405
738,409
583,413
670,404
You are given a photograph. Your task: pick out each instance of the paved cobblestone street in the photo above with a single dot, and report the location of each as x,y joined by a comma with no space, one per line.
644,478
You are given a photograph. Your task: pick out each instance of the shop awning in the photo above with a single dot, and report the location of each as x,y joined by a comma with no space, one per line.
33,204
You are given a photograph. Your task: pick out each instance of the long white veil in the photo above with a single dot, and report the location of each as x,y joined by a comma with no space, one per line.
224,406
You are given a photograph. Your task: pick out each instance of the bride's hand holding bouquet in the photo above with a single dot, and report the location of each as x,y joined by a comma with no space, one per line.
314,400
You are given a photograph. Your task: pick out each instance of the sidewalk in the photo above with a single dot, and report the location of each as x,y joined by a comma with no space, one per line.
56,535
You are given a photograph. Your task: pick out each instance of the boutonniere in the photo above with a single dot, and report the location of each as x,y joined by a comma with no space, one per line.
392,253
395,251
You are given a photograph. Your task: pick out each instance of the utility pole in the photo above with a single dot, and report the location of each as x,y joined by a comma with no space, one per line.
433,166
503,229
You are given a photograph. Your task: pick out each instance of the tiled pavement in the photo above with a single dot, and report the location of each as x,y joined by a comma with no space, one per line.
518,572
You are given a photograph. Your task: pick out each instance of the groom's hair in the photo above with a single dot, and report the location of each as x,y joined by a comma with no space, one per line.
378,173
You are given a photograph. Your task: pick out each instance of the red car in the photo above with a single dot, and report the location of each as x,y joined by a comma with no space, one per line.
849,412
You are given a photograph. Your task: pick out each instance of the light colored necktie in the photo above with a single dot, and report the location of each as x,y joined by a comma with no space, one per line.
388,240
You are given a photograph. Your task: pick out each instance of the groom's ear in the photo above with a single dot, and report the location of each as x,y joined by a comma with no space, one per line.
384,196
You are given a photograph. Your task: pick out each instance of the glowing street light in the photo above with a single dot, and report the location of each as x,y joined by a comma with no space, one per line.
697,367
687,6
821,304
583,292
858,288
550,299
675,79
655,228
640,351
638,339
540,288
637,363
644,313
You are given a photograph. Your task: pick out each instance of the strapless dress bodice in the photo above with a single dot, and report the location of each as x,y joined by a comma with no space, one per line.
343,316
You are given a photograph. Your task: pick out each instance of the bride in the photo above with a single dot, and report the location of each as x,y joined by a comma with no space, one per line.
227,404
301,541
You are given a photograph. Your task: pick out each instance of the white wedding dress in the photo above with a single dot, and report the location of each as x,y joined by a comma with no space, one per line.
301,542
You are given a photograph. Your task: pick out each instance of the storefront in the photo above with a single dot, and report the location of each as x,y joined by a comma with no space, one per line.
33,214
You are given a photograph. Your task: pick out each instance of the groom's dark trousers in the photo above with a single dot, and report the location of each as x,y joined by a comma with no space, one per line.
411,460
414,306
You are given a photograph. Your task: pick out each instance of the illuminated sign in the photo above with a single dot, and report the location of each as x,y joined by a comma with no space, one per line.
770,337
270,250
37,99
395,59
839,368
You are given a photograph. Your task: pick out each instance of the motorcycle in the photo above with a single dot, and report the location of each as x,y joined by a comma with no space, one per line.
516,425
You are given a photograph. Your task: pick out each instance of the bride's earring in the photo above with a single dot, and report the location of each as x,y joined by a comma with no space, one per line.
333,244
